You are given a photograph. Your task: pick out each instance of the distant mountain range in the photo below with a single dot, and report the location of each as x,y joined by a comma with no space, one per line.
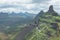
21,14
16,18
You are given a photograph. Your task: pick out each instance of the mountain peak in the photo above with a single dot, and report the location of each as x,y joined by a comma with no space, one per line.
51,11
51,8
41,11
40,14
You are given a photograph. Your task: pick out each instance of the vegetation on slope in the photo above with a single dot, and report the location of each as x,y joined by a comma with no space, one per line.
48,26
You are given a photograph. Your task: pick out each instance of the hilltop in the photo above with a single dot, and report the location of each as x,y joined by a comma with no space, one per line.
47,26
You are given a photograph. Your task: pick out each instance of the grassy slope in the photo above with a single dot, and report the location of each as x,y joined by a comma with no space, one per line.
44,27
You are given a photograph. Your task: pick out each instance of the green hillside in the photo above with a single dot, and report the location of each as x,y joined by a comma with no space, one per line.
48,26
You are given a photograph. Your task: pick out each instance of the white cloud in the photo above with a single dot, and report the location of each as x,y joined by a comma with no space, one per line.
27,5
15,1
9,10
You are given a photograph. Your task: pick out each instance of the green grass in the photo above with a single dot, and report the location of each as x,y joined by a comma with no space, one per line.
40,34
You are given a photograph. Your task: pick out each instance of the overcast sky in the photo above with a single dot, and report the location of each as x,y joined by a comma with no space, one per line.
32,6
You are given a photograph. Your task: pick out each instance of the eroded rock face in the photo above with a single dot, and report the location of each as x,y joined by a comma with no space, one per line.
57,20
51,11
36,20
40,14
55,26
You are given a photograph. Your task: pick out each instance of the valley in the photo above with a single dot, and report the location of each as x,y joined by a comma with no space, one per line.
43,26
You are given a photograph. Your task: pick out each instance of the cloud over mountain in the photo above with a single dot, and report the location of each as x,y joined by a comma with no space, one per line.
33,6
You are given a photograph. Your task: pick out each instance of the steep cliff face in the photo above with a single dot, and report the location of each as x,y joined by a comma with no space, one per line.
47,26
51,11
39,14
